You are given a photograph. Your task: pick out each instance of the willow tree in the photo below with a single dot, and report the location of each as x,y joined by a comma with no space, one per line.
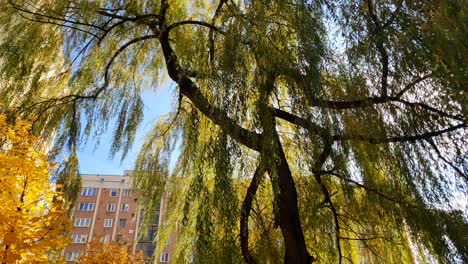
347,119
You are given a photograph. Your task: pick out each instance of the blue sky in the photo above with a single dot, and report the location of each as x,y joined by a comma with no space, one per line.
97,161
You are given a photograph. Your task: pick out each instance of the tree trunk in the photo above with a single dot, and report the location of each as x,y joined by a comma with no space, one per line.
288,212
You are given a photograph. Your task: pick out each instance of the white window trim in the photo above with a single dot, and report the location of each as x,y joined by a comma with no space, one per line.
125,207
87,207
164,257
88,192
108,221
79,238
114,190
82,222
127,192
111,207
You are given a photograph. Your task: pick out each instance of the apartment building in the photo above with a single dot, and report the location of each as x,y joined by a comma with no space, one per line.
107,209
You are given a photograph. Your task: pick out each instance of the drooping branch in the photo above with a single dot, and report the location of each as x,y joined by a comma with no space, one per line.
210,34
429,108
379,39
245,213
64,20
434,146
95,36
112,59
395,139
72,98
328,200
360,185
317,171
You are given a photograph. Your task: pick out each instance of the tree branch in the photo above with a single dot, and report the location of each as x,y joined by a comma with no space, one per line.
53,17
299,121
363,187
317,170
412,84
429,108
245,212
58,24
190,90
412,138
379,39
210,34
193,22
434,146
117,53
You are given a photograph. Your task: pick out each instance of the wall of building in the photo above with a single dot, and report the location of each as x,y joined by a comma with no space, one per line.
114,201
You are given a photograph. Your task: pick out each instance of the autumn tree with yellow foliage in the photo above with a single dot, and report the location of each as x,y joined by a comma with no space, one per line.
33,215
110,253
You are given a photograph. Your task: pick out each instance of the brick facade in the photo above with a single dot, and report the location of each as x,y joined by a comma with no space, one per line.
107,209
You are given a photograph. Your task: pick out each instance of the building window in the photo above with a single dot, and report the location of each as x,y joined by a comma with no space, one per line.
125,207
82,222
86,207
111,207
113,193
127,193
79,238
88,192
164,257
105,239
119,238
122,223
108,222
147,248
72,256
363,260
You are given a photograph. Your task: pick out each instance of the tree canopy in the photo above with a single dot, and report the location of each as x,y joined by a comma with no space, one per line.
33,214
326,131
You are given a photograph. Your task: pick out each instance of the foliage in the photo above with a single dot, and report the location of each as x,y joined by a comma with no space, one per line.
110,253
335,129
33,213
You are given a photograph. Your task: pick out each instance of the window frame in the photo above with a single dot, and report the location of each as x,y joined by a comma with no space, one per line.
125,206
124,221
72,255
109,221
164,257
82,222
89,192
86,207
127,193
105,239
111,207
116,191
79,238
